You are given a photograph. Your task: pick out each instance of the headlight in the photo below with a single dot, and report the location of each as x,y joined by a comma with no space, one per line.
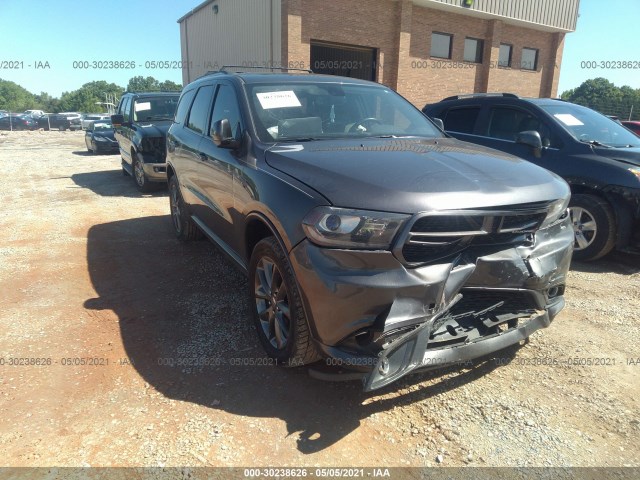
635,171
338,227
556,210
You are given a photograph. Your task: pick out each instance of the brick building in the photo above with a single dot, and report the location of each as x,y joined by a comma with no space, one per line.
424,49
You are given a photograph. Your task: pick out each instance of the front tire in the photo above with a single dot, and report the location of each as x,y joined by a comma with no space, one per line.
276,306
594,226
183,225
142,182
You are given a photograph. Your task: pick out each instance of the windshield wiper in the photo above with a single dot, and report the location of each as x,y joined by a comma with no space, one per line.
596,143
300,139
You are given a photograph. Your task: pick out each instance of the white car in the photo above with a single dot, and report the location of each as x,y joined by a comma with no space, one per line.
92,117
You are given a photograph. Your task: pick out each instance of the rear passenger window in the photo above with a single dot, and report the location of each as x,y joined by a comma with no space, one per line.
227,107
200,110
461,120
183,106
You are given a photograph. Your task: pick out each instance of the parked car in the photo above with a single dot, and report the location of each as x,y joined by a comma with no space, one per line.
54,122
34,113
17,122
141,123
599,159
99,137
91,117
633,126
75,120
368,236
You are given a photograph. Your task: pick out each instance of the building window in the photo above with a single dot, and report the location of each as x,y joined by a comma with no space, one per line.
441,45
473,50
504,58
529,59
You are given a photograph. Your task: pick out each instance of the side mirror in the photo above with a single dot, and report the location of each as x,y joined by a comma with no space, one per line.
439,123
532,139
117,120
222,136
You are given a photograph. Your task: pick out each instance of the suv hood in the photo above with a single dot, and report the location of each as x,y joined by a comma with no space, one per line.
626,155
156,129
414,175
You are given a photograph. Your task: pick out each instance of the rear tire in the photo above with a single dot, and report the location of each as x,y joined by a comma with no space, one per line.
184,226
276,306
594,225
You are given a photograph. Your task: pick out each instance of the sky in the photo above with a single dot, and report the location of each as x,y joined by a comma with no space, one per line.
53,40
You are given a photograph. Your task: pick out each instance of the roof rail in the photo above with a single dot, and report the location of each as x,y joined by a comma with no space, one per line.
480,95
226,67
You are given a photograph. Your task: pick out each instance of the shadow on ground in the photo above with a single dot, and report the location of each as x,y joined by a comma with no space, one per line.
186,301
615,262
113,183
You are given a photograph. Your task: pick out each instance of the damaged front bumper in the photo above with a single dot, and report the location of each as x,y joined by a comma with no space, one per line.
370,312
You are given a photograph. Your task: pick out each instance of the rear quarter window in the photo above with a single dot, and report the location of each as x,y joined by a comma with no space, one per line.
462,120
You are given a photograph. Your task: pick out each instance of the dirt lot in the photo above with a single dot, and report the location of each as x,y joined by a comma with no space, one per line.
91,273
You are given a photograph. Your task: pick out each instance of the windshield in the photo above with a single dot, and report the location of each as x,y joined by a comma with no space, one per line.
102,126
299,111
589,126
162,108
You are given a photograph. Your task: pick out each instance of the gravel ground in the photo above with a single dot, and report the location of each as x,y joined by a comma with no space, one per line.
91,273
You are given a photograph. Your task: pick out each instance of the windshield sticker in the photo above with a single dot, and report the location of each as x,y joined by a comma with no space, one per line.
568,119
283,99
142,106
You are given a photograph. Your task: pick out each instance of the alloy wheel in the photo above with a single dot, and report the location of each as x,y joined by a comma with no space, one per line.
272,303
585,227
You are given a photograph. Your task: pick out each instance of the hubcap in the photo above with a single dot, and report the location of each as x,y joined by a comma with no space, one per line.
272,303
139,173
175,209
584,227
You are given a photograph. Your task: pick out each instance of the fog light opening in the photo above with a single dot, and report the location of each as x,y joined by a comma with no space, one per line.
556,291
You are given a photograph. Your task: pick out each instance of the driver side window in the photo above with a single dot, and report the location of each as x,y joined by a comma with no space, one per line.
505,124
226,106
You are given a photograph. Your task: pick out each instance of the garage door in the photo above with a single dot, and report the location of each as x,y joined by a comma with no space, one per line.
345,60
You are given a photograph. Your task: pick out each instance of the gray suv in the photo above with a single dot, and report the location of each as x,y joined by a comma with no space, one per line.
370,239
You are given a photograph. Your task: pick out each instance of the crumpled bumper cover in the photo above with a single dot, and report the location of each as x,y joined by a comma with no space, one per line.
349,295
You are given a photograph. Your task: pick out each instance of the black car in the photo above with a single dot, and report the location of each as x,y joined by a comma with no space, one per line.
141,123
599,158
368,237
100,138
17,122
54,122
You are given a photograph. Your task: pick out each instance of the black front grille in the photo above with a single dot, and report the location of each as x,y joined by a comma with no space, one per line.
433,237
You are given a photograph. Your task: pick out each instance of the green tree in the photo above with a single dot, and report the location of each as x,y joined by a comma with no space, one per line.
142,84
169,86
15,98
150,84
603,96
88,97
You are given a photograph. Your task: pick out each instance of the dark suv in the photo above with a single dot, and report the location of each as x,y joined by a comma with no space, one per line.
598,157
141,123
368,237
